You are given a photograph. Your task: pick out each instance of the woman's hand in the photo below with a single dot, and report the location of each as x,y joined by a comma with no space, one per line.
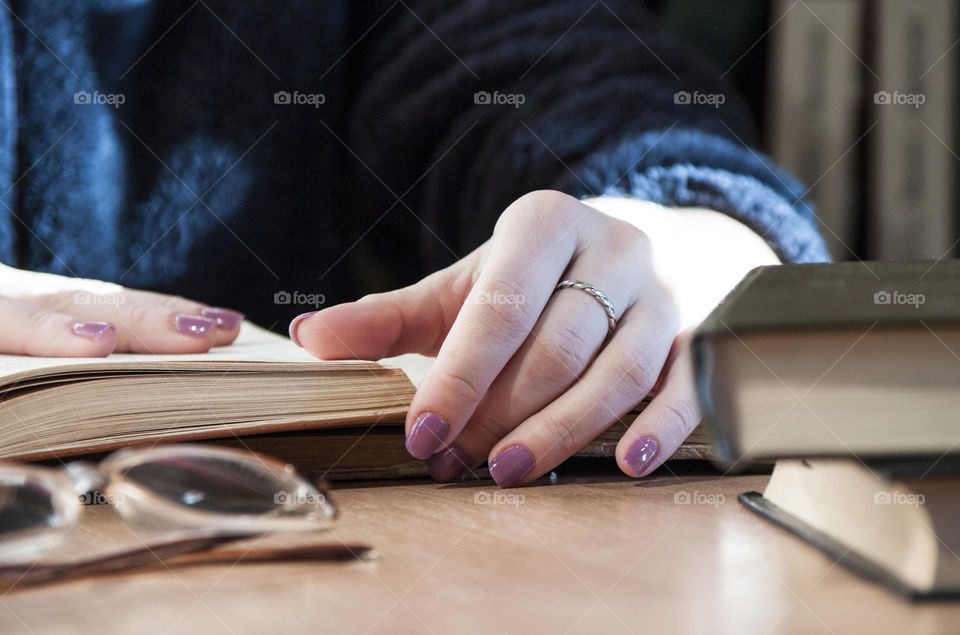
54,316
525,375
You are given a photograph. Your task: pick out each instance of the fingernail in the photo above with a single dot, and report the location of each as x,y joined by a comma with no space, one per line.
295,324
195,325
225,318
641,454
449,464
426,435
92,330
511,465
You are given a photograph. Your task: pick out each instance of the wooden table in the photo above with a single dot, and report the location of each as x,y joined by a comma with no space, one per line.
604,554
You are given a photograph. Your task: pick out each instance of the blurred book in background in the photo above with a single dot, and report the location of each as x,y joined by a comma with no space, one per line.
912,200
857,100
815,90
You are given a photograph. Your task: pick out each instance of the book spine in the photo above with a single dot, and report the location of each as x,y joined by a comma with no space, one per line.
815,87
911,167
726,450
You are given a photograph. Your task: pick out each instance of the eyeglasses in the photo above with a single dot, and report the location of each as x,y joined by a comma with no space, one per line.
195,495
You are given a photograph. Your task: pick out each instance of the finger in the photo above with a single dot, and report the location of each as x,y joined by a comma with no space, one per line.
414,319
621,377
665,423
32,330
667,365
561,345
143,326
116,307
228,321
529,251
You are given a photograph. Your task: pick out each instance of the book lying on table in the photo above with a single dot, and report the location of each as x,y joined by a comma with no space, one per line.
833,359
338,418
895,523
849,374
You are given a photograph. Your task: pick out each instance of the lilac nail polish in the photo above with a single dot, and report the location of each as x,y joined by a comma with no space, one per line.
225,318
449,464
92,330
195,325
641,454
426,435
511,465
295,324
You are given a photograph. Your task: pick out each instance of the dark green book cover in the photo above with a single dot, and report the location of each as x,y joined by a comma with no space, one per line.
828,298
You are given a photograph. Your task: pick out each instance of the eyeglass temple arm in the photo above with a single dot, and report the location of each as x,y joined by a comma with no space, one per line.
85,476
177,552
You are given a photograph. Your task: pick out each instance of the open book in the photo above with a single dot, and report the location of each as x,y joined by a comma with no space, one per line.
262,392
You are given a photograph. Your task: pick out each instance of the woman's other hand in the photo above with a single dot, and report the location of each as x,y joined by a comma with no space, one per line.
46,315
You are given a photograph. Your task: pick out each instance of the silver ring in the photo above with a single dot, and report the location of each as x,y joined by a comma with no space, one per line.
597,295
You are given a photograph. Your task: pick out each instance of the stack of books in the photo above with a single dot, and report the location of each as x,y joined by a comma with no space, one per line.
848,375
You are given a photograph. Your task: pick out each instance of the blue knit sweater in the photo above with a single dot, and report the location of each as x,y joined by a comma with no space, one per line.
230,150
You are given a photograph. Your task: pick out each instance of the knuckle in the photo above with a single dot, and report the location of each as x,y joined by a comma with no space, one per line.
664,308
139,316
378,297
546,199
564,433
507,308
62,301
636,373
489,428
542,209
464,389
42,321
561,356
679,418
174,301
626,239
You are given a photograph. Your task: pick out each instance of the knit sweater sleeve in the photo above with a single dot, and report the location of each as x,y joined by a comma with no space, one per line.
471,104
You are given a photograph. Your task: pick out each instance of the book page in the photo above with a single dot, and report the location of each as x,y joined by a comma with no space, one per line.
253,344
254,349
413,364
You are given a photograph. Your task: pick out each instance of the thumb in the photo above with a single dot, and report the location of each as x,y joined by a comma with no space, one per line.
414,319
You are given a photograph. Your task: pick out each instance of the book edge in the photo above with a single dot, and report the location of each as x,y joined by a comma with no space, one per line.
859,565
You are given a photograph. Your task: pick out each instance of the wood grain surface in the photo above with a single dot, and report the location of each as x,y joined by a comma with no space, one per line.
599,554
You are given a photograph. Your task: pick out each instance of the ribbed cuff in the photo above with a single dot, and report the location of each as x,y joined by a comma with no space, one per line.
689,168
